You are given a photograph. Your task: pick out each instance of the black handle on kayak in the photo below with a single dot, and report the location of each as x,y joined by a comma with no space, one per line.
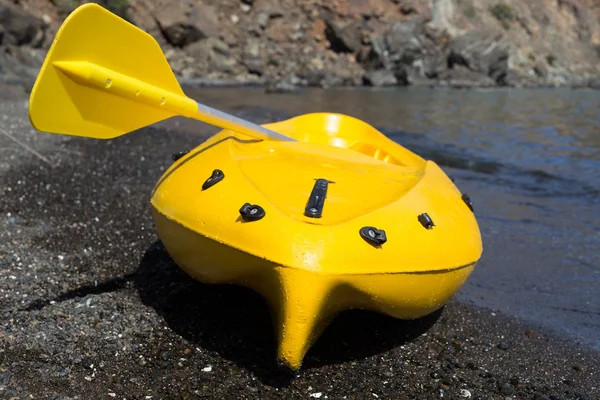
316,201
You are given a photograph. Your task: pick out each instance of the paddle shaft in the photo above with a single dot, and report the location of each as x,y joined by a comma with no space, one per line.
228,121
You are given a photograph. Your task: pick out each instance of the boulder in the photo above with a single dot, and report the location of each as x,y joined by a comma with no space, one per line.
403,41
462,77
408,49
540,69
215,53
19,27
375,56
183,23
480,51
380,77
251,56
313,77
274,86
344,37
255,65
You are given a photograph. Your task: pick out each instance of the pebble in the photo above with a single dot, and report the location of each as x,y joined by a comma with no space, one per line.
503,346
263,20
507,389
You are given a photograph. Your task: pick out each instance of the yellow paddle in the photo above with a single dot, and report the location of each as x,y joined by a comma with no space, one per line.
104,77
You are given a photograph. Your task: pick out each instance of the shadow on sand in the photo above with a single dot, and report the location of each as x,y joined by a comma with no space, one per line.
234,321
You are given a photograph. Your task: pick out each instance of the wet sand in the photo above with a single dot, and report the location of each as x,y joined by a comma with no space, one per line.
92,307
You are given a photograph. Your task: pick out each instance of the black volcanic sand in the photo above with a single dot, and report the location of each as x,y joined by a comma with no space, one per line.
92,307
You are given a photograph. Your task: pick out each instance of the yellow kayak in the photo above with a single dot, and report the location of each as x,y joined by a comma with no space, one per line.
343,218
319,213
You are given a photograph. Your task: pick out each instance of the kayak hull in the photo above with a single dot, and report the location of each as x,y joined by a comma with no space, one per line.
302,303
392,234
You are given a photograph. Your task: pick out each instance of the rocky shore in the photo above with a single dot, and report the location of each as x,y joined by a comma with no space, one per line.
287,44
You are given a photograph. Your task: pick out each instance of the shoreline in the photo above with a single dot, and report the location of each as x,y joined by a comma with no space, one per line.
24,87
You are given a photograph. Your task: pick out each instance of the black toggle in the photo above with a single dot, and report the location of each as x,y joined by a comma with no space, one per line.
216,177
179,154
467,201
373,235
316,201
426,220
252,212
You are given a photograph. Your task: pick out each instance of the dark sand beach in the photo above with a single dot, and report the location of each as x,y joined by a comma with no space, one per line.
92,307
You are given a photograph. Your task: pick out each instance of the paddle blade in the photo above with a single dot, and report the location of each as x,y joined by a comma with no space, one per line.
93,37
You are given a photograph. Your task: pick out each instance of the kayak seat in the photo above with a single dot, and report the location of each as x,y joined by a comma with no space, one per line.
365,170
347,132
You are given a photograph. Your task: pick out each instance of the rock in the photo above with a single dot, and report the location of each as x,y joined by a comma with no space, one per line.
214,52
263,20
255,65
503,346
443,15
462,77
518,80
252,48
188,72
64,7
296,36
408,49
403,42
594,84
314,77
332,80
374,56
446,380
408,7
343,37
507,389
20,27
182,23
381,77
480,51
280,86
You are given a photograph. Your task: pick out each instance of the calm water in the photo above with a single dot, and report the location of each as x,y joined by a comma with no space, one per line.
529,159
